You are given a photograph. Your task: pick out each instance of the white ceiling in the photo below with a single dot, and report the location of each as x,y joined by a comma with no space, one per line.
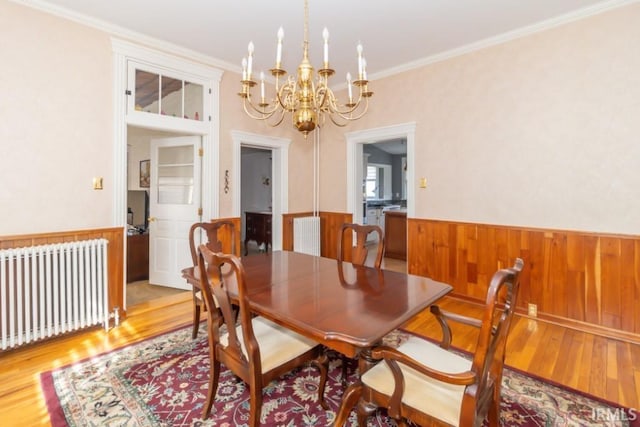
396,35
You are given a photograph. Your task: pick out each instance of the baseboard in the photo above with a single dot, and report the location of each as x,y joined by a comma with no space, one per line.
566,323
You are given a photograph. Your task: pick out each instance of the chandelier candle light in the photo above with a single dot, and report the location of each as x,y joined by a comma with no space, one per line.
308,99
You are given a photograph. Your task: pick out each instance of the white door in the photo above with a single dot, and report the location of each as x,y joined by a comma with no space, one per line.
174,206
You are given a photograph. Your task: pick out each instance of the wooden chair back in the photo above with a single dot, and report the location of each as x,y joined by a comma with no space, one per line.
235,335
220,234
359,252
481,382
215,270
488,359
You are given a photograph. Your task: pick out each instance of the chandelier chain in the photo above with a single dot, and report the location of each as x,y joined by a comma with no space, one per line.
306,23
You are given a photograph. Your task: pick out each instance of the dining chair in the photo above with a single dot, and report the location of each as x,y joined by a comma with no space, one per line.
213,231
425,382
359,251
254,348
359,254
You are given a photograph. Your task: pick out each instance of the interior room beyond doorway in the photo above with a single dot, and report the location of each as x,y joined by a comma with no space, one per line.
138,288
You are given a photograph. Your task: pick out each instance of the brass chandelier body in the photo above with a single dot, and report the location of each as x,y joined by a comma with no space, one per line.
308,98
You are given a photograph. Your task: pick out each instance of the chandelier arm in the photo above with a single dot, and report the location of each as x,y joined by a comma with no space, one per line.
261,111
349,116
282,96
262,115
279,120
332,103
333,120
322,94
335,108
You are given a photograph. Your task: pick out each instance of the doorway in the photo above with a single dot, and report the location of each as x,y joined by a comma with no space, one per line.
279,148
185,100
137,285
256,199
367,198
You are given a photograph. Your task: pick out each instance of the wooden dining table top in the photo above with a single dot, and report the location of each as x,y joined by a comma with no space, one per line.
347,308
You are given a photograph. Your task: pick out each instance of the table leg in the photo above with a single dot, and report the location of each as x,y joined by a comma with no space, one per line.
366,361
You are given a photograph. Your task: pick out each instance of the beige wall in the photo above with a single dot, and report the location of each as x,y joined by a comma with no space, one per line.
55,123
300,151
541,131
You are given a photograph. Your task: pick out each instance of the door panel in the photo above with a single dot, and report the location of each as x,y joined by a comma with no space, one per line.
174,206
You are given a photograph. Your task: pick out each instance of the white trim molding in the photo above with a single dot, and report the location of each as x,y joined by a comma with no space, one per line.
355,140
208,129
504,37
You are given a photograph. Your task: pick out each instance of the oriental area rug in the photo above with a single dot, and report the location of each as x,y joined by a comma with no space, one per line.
163,381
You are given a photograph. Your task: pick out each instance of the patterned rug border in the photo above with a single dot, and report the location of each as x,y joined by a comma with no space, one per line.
56,413
57,417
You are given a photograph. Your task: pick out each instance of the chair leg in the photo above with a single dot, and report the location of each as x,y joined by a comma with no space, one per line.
214,377
344,372
365,410
493,417
255,405
322,363
196,318
349,399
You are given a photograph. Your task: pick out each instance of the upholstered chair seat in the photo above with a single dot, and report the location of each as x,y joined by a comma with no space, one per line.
278,345
438,399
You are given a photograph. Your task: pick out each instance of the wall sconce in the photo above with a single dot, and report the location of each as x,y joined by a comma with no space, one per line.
226,181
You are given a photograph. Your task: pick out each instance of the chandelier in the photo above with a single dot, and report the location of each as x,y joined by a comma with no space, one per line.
309,99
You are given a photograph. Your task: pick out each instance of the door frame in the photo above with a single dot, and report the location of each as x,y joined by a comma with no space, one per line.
355,142
279,175
123,52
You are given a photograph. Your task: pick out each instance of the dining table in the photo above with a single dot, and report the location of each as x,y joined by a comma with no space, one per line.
345,307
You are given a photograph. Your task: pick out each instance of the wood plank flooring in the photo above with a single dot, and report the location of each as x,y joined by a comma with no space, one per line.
21,397
142,291
602,367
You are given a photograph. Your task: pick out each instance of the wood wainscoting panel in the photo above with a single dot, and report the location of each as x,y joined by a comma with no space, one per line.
224,235
330,224
584,280
115,253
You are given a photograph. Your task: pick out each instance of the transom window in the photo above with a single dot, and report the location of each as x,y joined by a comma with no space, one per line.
165,94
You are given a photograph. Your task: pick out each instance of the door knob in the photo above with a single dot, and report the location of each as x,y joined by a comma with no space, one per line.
151,218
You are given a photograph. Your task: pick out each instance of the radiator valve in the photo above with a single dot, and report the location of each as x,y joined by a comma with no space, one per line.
116,316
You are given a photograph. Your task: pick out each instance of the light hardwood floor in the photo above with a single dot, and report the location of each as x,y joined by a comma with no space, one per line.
142,291
602,367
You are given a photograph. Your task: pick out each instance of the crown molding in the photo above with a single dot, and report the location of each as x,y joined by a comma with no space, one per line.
505,37
205,59
123,33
